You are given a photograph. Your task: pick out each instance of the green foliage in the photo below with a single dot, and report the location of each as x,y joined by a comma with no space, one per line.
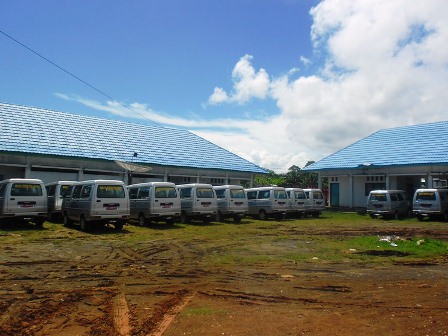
295,177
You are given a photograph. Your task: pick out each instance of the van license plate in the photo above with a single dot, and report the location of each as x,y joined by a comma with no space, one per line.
166,205
111,207
26,205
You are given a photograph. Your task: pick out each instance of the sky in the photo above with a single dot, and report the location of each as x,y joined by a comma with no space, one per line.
277,82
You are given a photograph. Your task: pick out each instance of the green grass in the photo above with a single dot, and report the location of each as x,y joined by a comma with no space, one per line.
335,237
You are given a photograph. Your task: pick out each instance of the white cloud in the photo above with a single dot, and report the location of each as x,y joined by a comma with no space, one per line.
247,84
385,64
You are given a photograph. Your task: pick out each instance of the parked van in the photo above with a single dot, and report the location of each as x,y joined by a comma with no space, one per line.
297,202
232,202
316,202
267,202
198,201
430,203
56,191
24,199
97,202
388,203
158,201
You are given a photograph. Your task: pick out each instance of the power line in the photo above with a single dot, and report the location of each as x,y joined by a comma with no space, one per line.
77,78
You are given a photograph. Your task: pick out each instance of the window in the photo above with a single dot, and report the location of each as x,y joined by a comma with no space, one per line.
143,192
2,190
85,192
77,191
393,197
133,193
299,195
237,193
165,192
221,193
317,195
110,191
426,196
65,190
378,197
280,194
185,193
26,189
264,194
251,194
50,189
205,193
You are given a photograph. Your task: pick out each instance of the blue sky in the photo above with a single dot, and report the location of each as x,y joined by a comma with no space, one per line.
278,82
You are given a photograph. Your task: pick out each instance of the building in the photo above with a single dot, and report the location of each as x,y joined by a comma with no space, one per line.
403,158
53,146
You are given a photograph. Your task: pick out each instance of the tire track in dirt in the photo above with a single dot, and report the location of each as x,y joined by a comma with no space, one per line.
121,315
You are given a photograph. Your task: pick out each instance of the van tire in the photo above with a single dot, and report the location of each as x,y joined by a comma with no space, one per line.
141,220
118,226
67,221
420,218
170,221
219,216
85,225
39,222
184,218
445,217
262,215
396,215
237,219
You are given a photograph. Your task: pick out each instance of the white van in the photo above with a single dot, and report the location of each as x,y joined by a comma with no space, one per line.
56,191
297,202
97,202
154,201
232,202
430,203
267,202
198,201
388,203
316,202
24,199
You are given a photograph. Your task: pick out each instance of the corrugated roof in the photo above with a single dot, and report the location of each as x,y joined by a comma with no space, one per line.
41,131
407,145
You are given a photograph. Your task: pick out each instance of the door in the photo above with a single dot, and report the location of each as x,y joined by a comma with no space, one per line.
334,194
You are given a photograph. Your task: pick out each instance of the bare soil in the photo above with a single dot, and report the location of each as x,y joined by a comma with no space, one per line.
70,286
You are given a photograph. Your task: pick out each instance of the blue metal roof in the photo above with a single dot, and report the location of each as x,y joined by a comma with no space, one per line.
41,131
409,145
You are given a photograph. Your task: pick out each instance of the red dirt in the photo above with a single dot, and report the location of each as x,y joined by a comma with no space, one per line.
90,287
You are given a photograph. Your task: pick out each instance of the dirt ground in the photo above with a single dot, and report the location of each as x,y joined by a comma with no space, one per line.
92,286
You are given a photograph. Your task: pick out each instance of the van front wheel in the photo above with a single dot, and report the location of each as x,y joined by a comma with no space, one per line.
184,218
85,225
262,215
67,221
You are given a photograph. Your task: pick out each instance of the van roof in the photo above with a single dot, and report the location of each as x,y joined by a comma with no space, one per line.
21,180
228,186
147,184
191,185
387,191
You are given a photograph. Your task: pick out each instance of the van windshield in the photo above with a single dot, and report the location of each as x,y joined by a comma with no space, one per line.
425,196
205,193
110,191
26,189
165,192
280,194
237,193
378,197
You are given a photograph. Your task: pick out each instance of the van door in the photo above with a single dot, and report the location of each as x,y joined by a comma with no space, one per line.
237,200
26,197
110,200
165,200
205,200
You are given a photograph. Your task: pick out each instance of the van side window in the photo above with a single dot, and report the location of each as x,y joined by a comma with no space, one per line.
143,193
185,193
251,194
393,197
2,190
264,194
26,189
220,193
133,193
443,196
85,192
401,197
77,191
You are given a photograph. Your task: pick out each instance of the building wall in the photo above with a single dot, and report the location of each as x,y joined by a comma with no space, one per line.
50,169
